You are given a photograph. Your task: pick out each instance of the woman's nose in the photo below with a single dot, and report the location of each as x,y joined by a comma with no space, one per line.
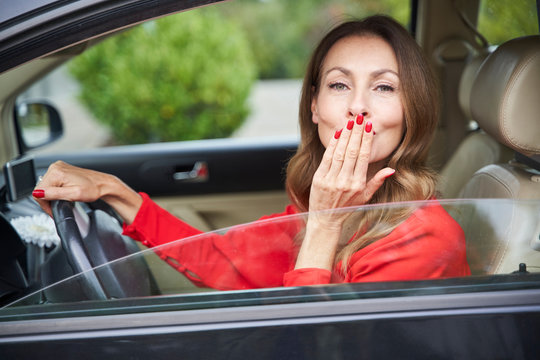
358,104
352,114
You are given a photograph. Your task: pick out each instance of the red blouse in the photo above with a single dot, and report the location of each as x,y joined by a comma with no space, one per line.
428,245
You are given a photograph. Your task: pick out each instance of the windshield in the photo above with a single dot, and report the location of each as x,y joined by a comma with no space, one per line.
501,238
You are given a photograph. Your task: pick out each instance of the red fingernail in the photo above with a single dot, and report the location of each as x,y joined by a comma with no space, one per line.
359,119
387,176
350,125
338,134
38,193
368,126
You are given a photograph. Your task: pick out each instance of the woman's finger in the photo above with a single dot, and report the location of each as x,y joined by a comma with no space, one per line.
68,193
353,147
326,161
340,150
362,161
378,180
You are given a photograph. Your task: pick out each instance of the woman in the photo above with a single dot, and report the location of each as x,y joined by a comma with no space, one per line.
367,115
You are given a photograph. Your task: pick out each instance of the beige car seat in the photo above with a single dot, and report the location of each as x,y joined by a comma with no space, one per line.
505,101
478,149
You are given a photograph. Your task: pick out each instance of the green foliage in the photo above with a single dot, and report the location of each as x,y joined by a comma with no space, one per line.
182,77
501,20
283,33
188,76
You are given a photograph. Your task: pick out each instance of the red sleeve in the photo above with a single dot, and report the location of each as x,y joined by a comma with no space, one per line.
154,226
428,245
246,256
307,276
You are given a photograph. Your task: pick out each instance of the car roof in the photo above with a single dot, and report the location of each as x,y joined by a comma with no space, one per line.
36,28
14,9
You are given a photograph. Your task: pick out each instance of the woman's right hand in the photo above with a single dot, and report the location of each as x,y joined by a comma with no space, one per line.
67,182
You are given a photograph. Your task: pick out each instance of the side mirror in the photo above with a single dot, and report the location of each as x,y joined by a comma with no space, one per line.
37,124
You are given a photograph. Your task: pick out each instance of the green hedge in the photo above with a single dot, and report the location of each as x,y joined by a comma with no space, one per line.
283,33
500,21
182,77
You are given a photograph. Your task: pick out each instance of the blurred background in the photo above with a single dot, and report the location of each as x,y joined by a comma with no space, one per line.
228,70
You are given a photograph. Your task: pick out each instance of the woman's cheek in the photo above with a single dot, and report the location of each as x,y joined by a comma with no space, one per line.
325,134
385,142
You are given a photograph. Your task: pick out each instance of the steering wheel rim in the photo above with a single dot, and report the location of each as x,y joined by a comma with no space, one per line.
100,244
73,246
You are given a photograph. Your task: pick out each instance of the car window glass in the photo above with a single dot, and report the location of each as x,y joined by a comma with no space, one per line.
502,238
158,82
502,20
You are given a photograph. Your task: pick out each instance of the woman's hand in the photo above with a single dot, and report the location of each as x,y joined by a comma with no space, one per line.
344,177
66,182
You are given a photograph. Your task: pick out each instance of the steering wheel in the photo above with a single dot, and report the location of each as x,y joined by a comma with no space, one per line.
93,238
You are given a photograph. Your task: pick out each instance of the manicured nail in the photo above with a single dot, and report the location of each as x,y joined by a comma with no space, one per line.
350,124
392,173
338,134
38,193
359,119
369,125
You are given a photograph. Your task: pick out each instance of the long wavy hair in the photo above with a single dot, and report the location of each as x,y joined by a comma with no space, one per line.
413,180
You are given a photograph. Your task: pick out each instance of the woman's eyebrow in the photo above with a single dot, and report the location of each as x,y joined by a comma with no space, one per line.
339,68
377,73
374,74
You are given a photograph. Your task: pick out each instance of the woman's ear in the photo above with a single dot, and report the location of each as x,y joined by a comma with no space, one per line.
314,112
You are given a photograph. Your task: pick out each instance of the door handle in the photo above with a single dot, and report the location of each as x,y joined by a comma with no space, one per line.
199,173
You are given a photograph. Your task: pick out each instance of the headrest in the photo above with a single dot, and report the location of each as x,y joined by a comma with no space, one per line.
505,97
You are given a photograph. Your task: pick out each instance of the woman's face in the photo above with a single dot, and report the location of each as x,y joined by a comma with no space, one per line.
360,76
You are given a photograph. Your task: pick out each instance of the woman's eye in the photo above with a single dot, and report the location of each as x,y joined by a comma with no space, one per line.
385,88
338,86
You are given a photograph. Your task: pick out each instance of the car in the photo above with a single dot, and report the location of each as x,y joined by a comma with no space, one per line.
93,293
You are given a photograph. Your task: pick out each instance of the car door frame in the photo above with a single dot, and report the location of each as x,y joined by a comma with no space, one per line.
421,319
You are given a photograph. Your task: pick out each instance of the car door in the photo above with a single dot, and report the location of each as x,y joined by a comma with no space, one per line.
398,321
484,316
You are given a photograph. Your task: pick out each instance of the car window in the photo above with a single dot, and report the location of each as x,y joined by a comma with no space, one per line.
501,239
156,82
502,20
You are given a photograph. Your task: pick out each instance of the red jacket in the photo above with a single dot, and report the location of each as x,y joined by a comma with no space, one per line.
429,244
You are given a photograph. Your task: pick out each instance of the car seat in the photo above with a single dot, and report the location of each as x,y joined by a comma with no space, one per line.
478,149
505,101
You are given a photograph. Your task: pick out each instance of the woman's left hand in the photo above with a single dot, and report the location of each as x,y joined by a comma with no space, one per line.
343,177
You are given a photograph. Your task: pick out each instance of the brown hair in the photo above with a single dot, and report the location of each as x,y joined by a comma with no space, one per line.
419,95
